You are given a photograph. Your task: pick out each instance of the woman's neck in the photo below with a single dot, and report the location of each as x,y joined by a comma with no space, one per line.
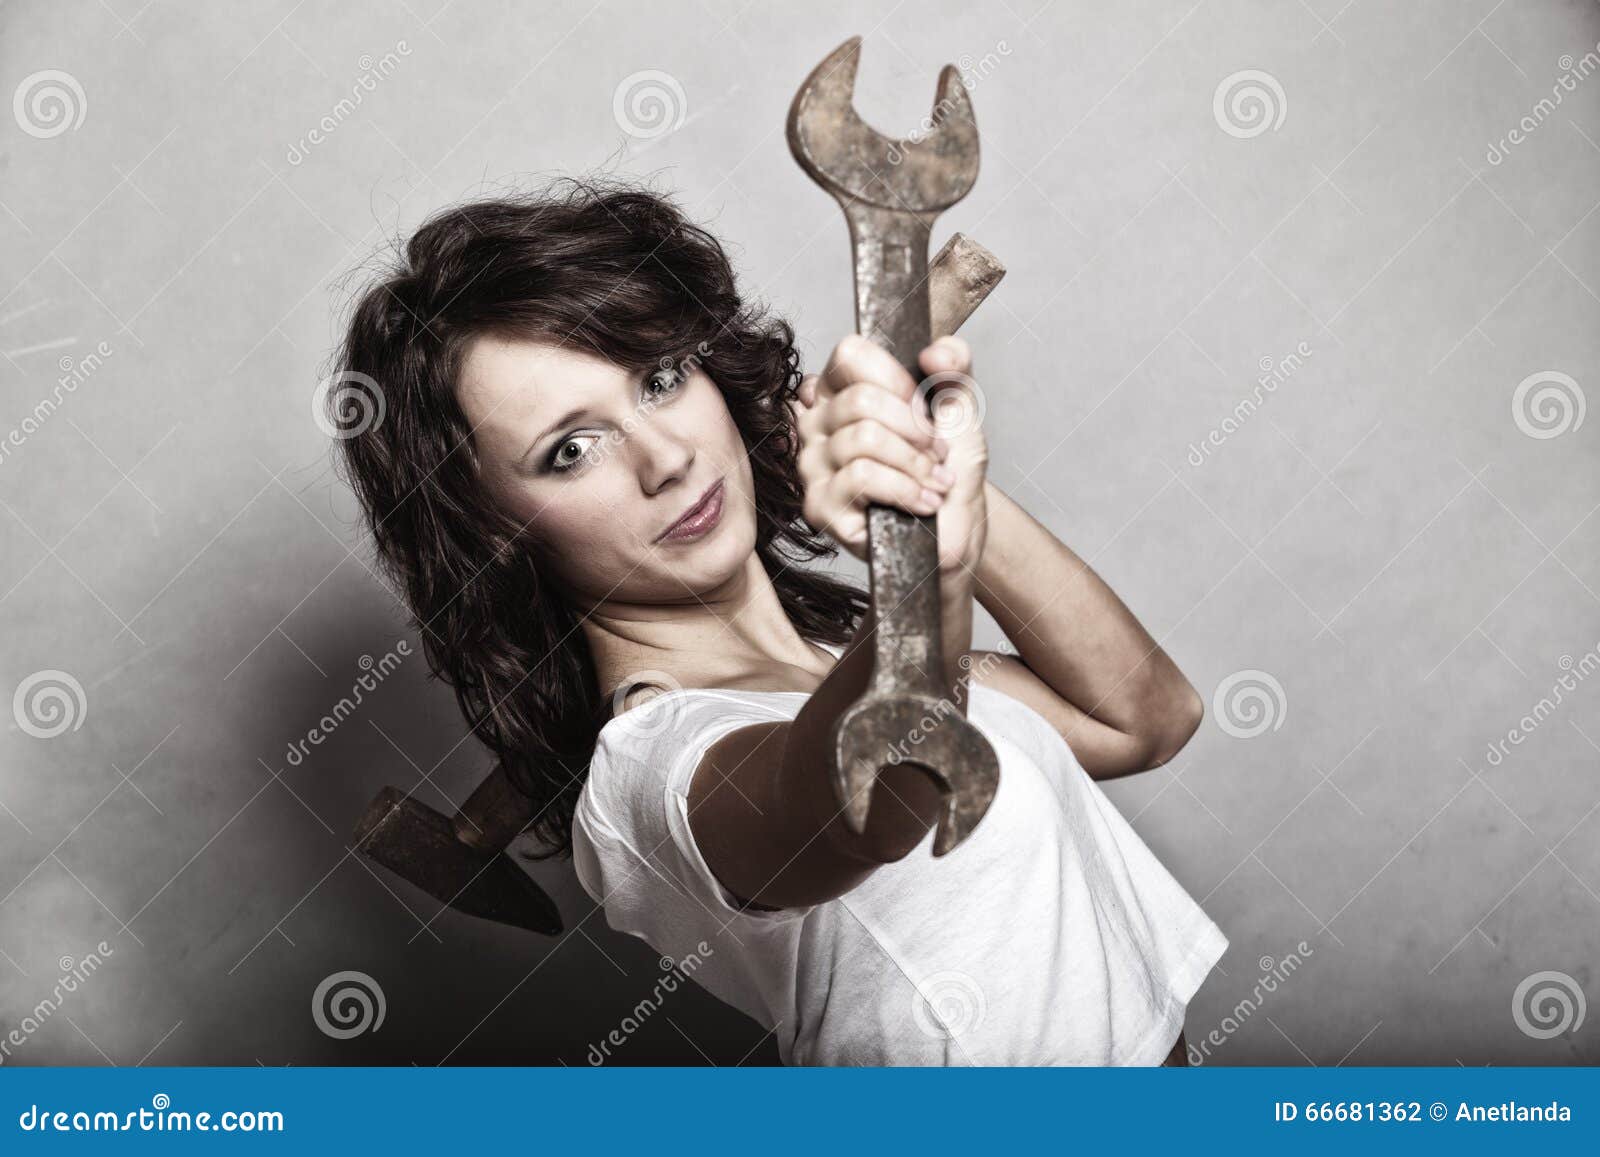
737,634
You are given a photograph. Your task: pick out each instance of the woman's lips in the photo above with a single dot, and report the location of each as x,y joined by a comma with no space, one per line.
700,520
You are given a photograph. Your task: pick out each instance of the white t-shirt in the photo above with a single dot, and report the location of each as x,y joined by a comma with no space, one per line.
1051,936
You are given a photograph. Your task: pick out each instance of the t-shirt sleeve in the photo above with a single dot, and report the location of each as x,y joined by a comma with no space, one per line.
633,848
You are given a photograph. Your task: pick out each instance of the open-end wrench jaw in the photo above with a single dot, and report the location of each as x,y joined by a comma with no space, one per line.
852,160
933,736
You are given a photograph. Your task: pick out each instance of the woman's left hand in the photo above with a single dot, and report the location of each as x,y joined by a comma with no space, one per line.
956,407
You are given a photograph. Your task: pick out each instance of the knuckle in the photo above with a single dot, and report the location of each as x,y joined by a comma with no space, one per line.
862,399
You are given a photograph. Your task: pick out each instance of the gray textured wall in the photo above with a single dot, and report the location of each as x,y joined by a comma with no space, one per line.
1373,575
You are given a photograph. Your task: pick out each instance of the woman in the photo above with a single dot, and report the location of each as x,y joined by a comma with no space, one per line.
595,469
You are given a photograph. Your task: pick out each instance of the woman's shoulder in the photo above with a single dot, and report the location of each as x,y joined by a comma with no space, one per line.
661,727
638,692
658,733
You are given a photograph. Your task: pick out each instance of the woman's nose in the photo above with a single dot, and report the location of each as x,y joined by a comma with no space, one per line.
663,456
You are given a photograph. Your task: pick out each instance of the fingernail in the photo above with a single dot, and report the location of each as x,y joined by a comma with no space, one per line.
943,473
929,497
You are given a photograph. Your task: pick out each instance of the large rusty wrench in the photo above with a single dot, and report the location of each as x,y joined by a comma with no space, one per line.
891,191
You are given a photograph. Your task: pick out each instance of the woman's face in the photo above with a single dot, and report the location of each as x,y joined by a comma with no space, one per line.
597,463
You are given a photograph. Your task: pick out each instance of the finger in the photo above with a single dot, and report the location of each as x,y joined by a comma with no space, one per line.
808,390
830,515
863,400
860,359
851,530
949,354
871,439
865,481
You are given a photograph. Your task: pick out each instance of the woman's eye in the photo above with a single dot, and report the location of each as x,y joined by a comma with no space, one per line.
562,460
668,377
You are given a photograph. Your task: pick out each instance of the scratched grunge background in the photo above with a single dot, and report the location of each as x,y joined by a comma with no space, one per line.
1296,348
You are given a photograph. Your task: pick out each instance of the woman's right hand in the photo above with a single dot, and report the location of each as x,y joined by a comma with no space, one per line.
860,444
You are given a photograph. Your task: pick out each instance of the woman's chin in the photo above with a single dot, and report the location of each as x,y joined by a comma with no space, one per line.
710,558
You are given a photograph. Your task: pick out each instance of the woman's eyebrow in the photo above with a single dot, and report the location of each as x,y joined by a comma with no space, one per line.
570,416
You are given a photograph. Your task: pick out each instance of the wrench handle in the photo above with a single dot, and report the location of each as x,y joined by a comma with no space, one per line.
892,307
903,558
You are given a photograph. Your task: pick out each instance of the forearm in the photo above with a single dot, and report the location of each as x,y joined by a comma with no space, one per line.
1072,630
905,801
765,814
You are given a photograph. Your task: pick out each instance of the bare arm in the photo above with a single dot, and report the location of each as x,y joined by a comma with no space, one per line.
762,808
1086,663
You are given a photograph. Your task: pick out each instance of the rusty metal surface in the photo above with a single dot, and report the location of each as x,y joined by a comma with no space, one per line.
420,845
961,275
891,191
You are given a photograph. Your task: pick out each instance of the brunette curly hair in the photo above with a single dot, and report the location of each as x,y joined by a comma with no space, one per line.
610,268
